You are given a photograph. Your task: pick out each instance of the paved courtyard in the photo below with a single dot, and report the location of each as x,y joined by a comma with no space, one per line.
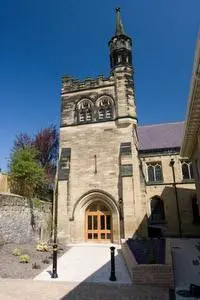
11,289
88,263
83,274
186,261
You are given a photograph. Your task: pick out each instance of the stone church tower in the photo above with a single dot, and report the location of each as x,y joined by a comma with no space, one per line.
99,189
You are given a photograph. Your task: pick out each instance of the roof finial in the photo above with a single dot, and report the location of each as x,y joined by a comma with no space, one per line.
119,25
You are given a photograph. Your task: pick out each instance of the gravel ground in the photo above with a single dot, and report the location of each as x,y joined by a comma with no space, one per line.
10,267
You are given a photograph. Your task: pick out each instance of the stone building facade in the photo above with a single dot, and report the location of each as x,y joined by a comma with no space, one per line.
107,188
191,142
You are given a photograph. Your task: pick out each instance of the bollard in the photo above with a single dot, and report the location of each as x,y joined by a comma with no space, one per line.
54,272
112,271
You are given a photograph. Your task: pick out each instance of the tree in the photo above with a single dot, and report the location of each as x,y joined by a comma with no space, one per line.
26,175
23,140
46,143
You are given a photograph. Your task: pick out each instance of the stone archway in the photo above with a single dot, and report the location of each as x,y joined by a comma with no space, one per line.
105,207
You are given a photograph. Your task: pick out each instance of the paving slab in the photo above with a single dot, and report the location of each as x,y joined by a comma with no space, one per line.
88,263
12,289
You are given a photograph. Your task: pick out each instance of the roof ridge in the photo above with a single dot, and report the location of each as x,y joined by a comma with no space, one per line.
160,124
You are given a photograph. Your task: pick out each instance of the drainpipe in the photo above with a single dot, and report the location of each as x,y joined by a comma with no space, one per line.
121,218
176,196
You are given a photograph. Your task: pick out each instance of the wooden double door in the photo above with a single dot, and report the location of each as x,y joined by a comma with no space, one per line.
98,223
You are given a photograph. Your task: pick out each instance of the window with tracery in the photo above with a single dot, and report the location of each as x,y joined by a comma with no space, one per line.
105,108
154,170
84,110
187,170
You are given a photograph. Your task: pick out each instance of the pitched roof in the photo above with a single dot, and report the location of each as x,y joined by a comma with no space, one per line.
160,136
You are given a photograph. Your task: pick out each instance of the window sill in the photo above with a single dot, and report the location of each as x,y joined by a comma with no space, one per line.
155,182
157,222
188,181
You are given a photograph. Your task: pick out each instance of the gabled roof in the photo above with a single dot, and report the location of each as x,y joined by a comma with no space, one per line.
160,136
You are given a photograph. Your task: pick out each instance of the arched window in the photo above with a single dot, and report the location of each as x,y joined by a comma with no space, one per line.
154,170
187,170
104,108
157,210
84,111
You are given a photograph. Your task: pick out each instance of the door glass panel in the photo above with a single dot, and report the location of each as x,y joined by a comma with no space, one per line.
95,222
89,222
89,236
95,236
103,236
108,236
102,222
108,227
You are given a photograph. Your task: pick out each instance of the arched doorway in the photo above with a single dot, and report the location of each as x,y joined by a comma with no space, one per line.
98,223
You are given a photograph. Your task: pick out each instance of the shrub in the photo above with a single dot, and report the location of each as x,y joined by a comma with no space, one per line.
152,260
37,202
17,252
35,266
45,261
43,247
24,259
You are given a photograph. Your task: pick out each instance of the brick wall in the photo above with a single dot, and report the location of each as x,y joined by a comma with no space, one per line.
158,275
151,274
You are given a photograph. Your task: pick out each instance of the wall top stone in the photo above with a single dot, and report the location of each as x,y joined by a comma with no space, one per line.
70,84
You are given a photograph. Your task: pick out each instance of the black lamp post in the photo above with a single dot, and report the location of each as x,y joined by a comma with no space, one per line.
176,196
55,221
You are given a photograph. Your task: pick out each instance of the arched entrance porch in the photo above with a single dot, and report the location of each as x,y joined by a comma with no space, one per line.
95,218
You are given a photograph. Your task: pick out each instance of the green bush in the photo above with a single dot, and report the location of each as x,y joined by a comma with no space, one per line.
17,252
37,203
43,247
24,259
45,261
152,260
35,266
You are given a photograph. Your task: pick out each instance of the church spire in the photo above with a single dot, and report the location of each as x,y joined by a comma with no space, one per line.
120,46
119,25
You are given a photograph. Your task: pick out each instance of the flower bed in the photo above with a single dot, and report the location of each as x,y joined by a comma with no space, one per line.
151,273
148,251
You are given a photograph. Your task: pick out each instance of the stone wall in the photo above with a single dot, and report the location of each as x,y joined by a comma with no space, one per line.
4,187
22,221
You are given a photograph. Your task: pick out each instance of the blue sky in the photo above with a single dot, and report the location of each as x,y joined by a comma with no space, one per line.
42,40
